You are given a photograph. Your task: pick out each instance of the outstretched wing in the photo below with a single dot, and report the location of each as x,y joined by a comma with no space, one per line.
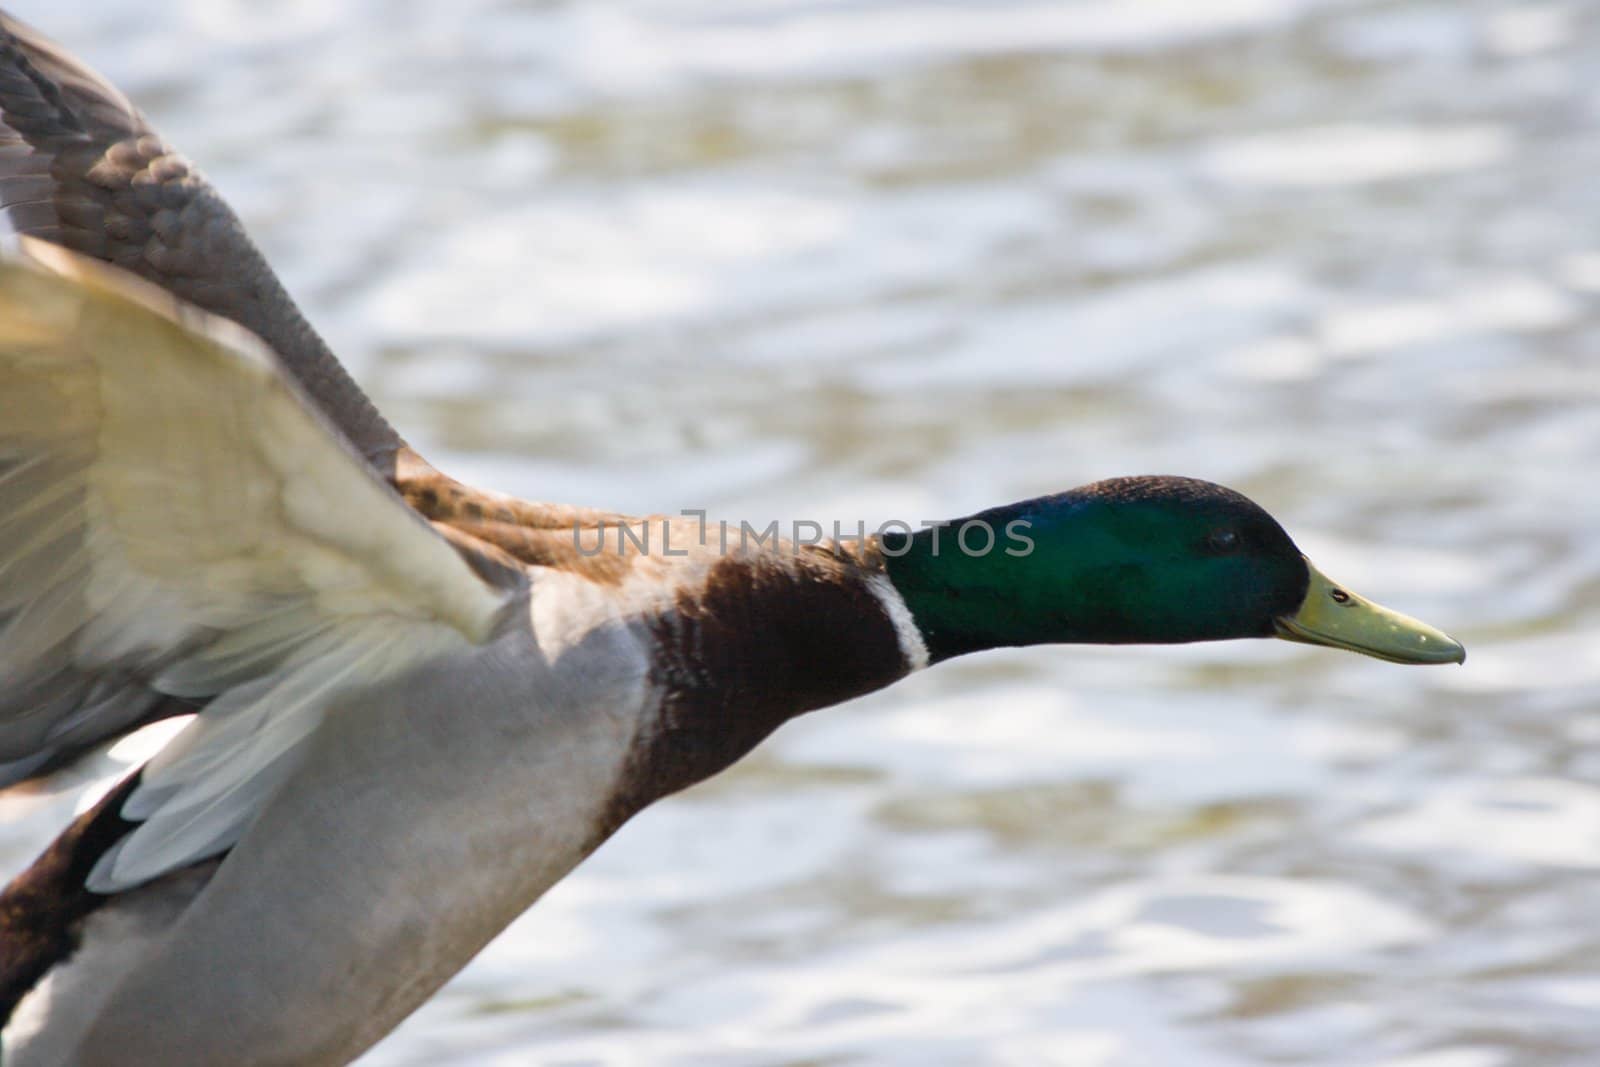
80,167
176,521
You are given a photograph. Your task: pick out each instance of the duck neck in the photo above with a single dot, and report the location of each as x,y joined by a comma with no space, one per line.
756,641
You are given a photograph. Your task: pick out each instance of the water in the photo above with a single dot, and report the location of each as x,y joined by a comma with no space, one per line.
901,259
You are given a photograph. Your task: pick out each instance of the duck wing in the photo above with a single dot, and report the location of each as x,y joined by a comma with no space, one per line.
179,523
80,166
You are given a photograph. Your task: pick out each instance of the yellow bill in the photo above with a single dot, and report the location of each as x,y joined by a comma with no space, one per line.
1330,615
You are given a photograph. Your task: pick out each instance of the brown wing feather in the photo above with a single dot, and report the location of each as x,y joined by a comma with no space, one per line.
79,166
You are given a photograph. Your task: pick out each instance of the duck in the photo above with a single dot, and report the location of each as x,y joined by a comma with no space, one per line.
416,705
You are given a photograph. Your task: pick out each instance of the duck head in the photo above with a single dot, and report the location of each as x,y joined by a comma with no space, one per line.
1158,560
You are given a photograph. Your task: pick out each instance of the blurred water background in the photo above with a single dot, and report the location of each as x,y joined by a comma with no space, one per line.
907,258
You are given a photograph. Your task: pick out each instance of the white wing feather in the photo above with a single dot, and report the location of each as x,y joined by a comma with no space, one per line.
176,520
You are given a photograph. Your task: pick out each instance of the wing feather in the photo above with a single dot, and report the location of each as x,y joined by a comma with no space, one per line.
178,521
80,166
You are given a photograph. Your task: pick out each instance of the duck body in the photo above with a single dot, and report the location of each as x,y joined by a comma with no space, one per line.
341,911
417,705
592,700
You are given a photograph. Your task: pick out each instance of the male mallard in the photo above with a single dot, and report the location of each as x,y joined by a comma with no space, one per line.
420,705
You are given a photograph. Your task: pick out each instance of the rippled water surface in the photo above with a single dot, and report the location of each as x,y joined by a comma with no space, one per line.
804,258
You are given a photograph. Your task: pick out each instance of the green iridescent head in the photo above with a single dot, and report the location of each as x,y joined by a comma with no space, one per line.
1134,560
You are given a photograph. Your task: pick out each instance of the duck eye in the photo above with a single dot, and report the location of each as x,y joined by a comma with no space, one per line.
1224,540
